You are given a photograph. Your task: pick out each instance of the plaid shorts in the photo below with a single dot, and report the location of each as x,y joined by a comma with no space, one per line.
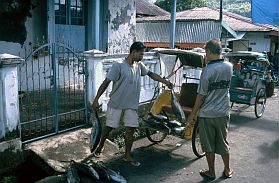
213,134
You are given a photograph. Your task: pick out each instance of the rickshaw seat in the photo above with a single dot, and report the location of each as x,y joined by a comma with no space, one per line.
188,94
243,89
237,84
234,81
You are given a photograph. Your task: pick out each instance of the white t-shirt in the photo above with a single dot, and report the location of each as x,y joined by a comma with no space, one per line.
126,84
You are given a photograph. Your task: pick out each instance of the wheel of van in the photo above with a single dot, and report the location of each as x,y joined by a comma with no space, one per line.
196,143
260,103
270,89
155,136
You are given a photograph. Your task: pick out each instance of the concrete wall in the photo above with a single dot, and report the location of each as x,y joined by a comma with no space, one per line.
258,41
121,28
37,74
122,23
240,45
36,28
16,48
99,64
9,118
9,104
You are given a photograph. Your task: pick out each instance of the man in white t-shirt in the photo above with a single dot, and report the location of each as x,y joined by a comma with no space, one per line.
124,97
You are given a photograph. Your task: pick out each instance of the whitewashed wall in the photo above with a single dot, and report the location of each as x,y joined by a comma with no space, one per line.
15,48
10,108
99,64
121,28
37,74
258,41
9,105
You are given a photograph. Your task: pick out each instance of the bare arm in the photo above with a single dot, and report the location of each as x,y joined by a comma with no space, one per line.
157,77
193,116
100,91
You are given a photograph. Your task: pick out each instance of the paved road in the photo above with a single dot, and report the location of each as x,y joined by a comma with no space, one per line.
254,153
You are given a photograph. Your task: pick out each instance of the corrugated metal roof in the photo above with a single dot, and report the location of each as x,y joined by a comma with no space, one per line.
235,21
186,32
144,8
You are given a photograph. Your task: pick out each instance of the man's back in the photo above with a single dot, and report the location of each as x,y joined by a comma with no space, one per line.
215,81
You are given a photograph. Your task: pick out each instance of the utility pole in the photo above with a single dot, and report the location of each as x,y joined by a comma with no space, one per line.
221,17
221,11
172,25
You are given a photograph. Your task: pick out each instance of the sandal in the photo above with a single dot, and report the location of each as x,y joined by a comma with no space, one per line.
229,175
132,162
96,155
205,173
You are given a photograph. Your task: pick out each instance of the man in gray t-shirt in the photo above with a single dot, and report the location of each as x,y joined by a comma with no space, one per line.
126,84
212,107
124,97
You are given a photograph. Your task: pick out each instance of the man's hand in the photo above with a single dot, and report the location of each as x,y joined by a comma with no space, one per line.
95,105
191,119
169,84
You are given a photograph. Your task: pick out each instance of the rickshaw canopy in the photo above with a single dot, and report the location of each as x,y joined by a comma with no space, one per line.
186,57
247,55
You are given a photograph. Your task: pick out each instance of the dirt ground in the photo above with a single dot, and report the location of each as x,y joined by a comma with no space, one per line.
254,152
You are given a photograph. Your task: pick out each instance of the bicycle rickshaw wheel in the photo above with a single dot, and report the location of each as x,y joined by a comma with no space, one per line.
275,79
270,89
155,135
260,103
196,143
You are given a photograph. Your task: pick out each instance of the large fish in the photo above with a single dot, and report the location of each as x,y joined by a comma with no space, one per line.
72,174
101,169
95,133
86,170
173,124
53,179
110,174
115,176
176,108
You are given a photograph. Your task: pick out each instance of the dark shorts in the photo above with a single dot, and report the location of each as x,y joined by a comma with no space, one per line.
213,134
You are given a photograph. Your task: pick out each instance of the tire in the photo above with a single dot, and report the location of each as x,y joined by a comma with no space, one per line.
196,144
270,89
260,103
155,136
275,79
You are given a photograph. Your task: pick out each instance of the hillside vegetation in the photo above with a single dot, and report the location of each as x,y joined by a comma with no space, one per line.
242,7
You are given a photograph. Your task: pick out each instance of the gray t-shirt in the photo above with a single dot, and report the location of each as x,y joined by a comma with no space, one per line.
126,84
214,84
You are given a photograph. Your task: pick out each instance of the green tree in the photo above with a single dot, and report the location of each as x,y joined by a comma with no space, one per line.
181,4
241,7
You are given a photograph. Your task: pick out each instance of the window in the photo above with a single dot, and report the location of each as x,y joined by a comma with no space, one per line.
69,12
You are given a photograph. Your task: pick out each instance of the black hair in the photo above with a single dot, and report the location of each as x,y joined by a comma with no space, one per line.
137,46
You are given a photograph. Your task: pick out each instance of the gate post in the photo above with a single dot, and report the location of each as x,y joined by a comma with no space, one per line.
9,103
94,59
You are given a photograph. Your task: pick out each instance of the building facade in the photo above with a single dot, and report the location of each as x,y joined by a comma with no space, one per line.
107,25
